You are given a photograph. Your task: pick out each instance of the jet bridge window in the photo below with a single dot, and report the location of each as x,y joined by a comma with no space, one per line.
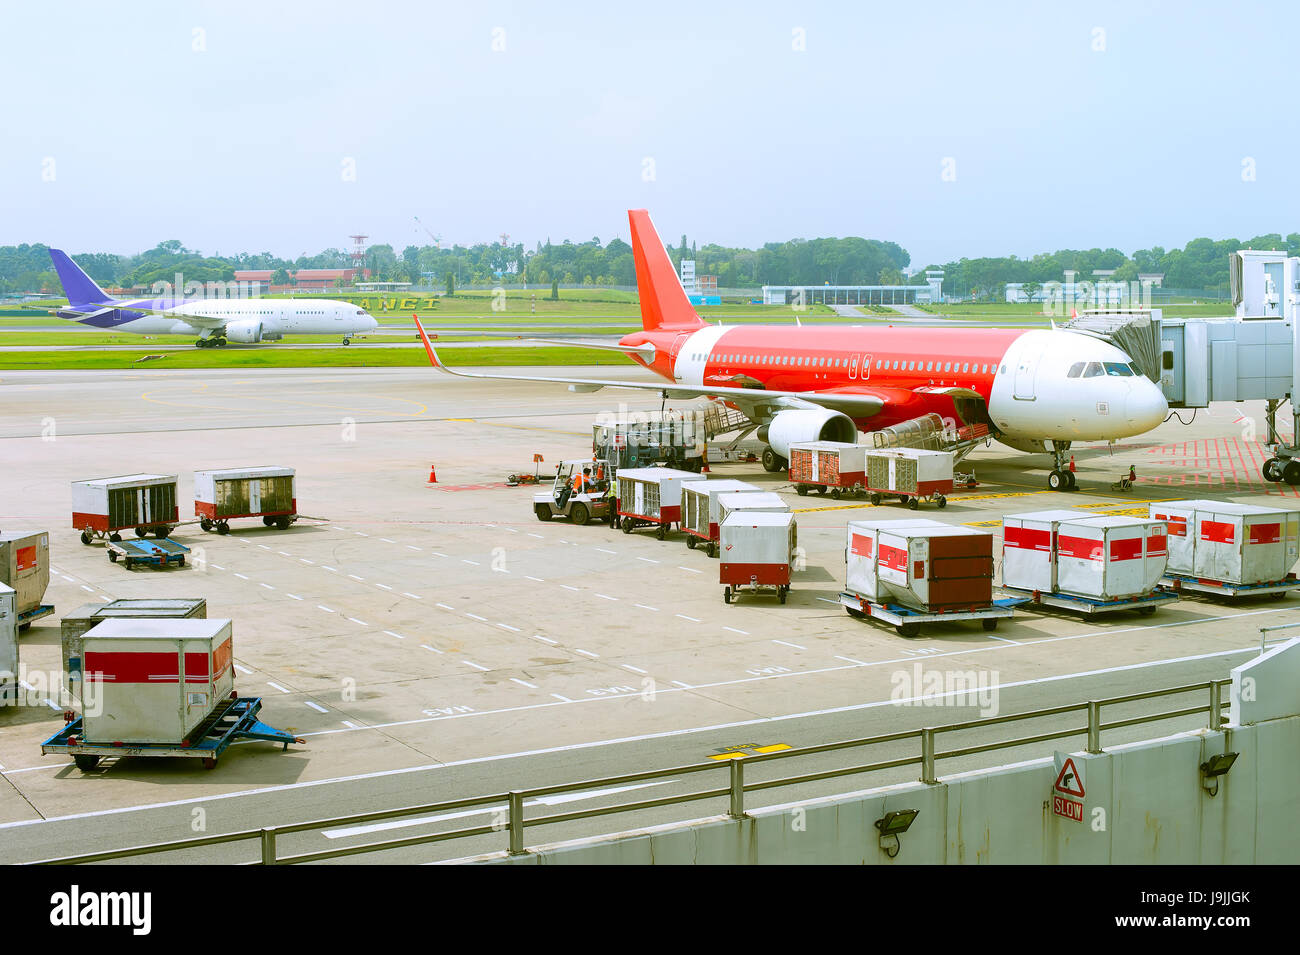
1167,360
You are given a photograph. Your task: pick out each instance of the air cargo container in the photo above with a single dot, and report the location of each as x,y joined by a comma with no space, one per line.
154,681
25,566
1230,548
756,550
651,496
936,568
76,624
105,506
837,466
861,576
8,644
911,474
1110,558
701,512
750,501
1029,548
223,495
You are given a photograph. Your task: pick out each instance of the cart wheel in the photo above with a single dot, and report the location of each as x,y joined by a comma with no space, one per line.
268,521
282,523
579,514
85,763
209,762
85,537
726,594
115,537
874,498
627,525
941,501
855,614
713,549
1146,611
690,542
129,563
908,630
821,490
902,499
990,623
112,555
801,490
780,594
223,528
663,532
160,532
912,503
542,511
181,560
205,524
835,494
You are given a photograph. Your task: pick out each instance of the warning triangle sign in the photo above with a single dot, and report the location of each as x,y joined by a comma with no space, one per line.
1068,781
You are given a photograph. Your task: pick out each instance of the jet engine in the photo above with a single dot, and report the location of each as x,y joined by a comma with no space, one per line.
248,332
812,424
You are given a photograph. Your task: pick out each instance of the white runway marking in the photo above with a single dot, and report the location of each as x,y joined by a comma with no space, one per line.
385,586
325,608
857,663
241,576
563,698
474,616
411,595
604,551
355,577
587,653
360,623
444,606
267,586
397,635
538,579
684,617
565,586
294,596
743,633
538,636
425,646
794,645
242,669
471,663
644,607
508,627
531,686
387,541
628,666
606,597
829,601
276,686
689,570
315,706
648,560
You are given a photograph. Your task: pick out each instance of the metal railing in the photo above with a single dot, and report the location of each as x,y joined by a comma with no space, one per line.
513,819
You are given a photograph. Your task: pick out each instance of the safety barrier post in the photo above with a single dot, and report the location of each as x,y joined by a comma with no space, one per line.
1094,726
1216,704
738,787
927,755
516,822
268,847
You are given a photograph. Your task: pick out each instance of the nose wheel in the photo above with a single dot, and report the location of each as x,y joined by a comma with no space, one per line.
1061,478
1279,470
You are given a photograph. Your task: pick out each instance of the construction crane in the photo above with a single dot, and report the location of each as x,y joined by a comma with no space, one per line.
505,237
437,239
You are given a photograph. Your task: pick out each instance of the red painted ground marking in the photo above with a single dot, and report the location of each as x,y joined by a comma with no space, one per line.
464,487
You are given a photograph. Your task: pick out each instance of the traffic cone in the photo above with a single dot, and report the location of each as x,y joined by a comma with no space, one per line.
704,468
433,475
1072,467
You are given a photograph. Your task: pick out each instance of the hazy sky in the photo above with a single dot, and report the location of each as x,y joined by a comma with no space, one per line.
233,127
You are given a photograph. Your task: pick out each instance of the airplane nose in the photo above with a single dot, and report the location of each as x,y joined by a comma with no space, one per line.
374,323
1146,406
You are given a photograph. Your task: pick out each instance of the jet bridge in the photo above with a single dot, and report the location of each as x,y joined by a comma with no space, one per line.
1252,356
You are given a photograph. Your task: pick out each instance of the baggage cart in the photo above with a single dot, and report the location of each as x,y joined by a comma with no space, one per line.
651,497
909,621
1182,583
155,553
231,721
936,568
1108,559
103,507
910,474
702,511
839,467
1029,553
757,548
227,494
25,566
728,503
1145,604
8,644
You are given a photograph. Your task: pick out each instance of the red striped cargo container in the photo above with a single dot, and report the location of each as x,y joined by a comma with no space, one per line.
1110,558
937,569
145,502
1029,548
1230,543
860,568
153,681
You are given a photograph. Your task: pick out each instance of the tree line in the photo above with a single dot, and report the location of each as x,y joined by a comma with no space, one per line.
1201,264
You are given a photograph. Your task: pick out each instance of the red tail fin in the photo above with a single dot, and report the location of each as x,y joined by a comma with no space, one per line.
663,302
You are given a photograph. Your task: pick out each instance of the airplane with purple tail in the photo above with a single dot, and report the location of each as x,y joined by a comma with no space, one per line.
214,320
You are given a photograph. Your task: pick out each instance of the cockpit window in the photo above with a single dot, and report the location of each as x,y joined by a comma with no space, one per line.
1137,372
1093,370
1117,369
1075,370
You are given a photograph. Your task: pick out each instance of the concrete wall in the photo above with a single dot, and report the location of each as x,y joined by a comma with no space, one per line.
1144,803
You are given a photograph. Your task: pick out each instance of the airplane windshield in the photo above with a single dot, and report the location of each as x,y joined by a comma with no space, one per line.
1093,370
1118,369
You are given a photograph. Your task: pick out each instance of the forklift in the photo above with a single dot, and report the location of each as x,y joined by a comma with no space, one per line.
580,508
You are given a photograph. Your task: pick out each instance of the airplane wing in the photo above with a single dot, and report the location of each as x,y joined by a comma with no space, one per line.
757,403
647,349
197,321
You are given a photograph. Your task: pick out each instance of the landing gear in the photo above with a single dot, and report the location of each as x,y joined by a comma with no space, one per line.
214,342
1061,478
1291,472
1282,470
347,341
1272,470
772,461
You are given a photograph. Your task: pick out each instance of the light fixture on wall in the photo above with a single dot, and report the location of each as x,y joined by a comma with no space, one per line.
892,826
1213,768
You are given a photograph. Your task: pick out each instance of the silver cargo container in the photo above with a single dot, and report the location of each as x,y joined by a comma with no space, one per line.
8,644
87,616
25,566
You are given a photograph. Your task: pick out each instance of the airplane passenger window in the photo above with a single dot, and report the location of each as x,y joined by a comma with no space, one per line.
1075,370
947,366
929,366
1093,370
965,367
1117,369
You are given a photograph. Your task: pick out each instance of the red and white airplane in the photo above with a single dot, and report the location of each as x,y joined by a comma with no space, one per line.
1037,390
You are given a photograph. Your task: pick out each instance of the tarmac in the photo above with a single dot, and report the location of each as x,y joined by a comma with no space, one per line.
432,641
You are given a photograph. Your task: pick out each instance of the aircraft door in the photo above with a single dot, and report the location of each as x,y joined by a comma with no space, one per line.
678,342
853,367
866,367
1026,370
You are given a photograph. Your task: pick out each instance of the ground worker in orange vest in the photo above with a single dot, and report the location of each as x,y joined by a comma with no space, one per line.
581,481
